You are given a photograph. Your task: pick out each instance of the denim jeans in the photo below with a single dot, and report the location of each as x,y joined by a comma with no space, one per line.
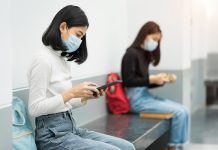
59,132
141,100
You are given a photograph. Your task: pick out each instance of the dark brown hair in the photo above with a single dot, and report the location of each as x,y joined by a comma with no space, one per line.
148,28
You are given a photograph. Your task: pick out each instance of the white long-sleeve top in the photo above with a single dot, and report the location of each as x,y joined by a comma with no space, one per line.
48,76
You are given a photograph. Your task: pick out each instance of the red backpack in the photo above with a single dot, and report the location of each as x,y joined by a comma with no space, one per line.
117,101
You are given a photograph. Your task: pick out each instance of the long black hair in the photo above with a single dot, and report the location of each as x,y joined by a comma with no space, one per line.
73,16
148,28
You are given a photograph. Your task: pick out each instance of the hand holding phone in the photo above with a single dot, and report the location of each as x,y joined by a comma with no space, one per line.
104,87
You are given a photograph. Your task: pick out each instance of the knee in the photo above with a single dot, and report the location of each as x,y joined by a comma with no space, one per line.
185,111
182,112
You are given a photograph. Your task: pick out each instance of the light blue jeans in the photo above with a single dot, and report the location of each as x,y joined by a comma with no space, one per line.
141,100
59,132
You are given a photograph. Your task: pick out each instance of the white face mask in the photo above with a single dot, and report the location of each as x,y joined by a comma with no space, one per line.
72,43
150,45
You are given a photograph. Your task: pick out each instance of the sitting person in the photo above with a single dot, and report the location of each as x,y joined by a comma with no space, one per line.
145,50
52,95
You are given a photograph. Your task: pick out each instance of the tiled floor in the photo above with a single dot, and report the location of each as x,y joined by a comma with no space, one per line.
201,147
204,129
204,126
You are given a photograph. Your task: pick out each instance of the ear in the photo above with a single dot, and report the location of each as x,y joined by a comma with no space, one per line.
63,27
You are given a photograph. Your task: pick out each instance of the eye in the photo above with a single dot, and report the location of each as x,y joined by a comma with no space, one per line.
78,35
156,39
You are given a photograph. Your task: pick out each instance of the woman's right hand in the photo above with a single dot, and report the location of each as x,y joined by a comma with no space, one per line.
159,79
84,90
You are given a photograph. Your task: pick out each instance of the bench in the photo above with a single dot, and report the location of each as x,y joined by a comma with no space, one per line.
149,134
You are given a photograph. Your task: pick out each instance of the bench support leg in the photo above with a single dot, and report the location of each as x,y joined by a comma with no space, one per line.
160,143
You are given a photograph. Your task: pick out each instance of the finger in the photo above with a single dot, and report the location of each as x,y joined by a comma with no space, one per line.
88,92
102,92
174,77
88,96
94,89
97,95
91,84
166,78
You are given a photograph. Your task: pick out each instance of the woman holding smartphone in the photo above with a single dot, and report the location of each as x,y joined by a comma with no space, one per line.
52,95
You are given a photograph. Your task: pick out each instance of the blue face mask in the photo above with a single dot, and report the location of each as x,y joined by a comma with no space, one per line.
150,45
72,44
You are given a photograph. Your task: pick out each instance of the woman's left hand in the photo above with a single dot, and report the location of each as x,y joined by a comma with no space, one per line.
102,92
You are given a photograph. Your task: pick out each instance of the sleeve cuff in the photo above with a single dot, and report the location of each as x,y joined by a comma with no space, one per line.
61,100
76,102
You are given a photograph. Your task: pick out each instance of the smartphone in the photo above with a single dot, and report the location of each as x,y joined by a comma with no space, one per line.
104,87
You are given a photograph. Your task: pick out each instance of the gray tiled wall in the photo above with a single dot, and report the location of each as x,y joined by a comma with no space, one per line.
211,66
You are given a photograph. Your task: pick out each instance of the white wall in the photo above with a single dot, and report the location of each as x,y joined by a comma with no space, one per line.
204,28
106,37
200,29
5,57
5,76
212,15
173,16
189,28
186,28
189,32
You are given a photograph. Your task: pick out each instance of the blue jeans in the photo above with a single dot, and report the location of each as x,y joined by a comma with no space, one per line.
59,132
141,100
